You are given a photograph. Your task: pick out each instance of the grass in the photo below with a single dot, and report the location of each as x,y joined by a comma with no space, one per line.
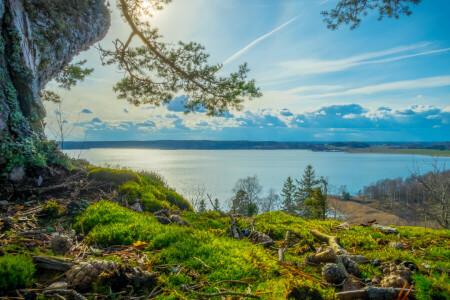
16,271
207,250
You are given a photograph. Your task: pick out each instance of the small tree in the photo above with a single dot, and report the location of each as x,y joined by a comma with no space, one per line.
201,206
317,204
305,191
288,196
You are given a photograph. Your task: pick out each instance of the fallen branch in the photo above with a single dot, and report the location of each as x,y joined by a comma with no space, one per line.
219,294
72,293
372,293
333,241
53,263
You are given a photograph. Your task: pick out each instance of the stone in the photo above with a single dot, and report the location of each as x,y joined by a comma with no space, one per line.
137,207
333,274
163,212
385,229
61,244
352,285
396,245
39,181
257,237
17,174
4,202
177,219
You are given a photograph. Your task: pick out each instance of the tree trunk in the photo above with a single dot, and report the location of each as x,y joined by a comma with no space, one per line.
36,42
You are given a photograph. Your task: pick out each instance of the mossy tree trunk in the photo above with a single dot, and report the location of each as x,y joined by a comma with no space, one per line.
38,39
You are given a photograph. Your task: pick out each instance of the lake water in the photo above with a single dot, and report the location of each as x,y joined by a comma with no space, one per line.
218,170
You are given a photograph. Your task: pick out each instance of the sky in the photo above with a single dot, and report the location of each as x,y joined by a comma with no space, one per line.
387,80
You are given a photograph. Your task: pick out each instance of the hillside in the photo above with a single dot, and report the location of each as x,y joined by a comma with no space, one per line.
84,234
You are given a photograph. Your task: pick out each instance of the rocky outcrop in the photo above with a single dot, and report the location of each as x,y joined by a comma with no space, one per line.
38,38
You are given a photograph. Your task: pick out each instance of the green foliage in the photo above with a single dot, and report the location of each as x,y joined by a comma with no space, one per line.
52,209
149,188
114,176
109,224
434,287
16,272
317,204
350,11
288,196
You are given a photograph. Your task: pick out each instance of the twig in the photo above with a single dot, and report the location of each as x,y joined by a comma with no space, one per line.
72,293
226,293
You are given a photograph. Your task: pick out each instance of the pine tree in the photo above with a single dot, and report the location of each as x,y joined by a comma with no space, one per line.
305,191
288,195
217,205
202,206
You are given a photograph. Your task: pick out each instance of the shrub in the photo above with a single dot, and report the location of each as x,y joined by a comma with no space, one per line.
178,200
132,189
15,272
52,209
112,175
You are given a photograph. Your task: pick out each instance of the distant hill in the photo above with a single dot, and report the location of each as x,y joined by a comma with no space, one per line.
388,147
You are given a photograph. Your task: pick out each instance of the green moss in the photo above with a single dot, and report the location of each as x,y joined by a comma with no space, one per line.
114,176
177,200
15,272
52,209
151,204
434,287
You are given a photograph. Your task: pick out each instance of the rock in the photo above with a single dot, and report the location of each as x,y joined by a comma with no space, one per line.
385,229
396,245
39,181
4,202
163,213
84,274
61,244
137,207
17,174
163,220
178,220
426,266
257,237
60,285
333,274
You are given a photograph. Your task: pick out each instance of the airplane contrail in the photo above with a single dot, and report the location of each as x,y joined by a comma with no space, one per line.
252,44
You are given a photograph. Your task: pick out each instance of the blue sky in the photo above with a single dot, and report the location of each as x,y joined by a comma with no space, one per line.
385,81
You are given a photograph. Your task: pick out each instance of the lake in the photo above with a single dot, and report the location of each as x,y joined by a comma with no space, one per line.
218,170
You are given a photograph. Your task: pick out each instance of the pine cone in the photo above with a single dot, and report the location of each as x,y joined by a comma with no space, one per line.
394,281
83,275
350,266
332,274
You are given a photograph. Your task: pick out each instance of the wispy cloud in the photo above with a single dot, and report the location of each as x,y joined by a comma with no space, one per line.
319,66
428,82
260,39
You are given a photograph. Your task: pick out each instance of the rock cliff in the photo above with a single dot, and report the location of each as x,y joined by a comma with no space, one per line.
38,38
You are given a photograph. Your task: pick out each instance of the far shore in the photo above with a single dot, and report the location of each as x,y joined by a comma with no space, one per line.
427,152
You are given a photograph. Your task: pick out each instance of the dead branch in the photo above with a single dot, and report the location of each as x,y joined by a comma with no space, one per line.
285,246
53,263
333,241
233,228
219,294
72,293
372,293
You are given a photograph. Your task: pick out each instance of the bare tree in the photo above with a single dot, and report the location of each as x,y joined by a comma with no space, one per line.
270,202
437,184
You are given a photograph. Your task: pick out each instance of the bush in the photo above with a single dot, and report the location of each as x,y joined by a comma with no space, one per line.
132,189
16,272
112,175
178,200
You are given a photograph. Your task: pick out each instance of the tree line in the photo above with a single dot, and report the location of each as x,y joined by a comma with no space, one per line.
428,194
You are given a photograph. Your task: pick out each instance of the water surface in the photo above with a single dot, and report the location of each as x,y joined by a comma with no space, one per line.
218,170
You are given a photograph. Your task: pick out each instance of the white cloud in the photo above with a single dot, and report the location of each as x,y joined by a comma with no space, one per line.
260,39
320,66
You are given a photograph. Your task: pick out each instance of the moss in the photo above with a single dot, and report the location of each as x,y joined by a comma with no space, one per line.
151,204
15,272
177,200
114,176
434,287
52,209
